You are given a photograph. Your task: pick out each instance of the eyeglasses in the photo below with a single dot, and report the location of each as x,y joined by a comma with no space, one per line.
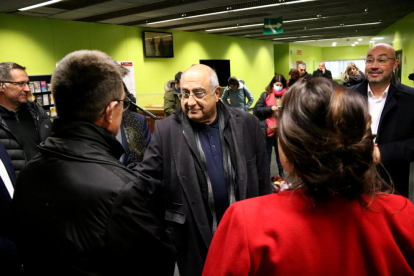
196,95
21,84
126,102
380,61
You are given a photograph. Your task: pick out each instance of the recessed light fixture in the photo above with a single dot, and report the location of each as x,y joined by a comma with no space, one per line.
359,39
352,45
377,38
39,5
356,42
371,41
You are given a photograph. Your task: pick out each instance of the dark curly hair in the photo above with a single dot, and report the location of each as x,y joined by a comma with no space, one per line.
324,129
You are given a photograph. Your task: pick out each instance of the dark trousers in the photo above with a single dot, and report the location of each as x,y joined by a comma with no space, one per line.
271,142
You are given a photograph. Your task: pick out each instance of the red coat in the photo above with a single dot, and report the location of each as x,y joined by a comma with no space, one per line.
288,234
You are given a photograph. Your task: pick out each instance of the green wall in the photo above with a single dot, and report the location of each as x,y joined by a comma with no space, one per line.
40,43
400,35
310,55
281,54
345,52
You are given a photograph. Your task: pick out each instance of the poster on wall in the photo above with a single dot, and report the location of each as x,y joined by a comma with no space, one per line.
129,79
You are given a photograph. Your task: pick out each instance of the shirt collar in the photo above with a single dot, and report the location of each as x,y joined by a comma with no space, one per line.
383,95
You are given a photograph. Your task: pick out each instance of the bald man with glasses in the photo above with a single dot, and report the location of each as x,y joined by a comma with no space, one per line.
23,124
392,118
201,159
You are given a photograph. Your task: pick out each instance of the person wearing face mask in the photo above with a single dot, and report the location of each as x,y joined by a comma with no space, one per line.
266,109
237,93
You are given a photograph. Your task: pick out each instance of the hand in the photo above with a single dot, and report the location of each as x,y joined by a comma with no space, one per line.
376,154
274,108
323,70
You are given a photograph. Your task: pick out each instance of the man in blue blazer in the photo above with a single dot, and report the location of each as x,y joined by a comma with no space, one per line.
392,118
9,260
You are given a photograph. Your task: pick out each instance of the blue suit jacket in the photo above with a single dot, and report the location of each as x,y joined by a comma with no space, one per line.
8,253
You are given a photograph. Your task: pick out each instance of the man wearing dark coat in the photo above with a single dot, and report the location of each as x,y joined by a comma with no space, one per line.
322,72
392,118
201,159
304,75
77,209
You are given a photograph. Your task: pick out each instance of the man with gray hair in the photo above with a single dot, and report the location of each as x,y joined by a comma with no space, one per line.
23,124
201,159
77,209
302,71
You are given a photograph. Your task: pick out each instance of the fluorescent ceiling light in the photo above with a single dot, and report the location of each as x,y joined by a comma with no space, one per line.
272,5
164,21
207,14
344,26
377,38
39,5
243,26
359,39
219,29
297,20
242,9
303,41
251,25
352,44
285,38
356,42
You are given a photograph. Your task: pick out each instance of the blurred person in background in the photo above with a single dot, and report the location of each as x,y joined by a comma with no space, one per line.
352,75
266,109
237,92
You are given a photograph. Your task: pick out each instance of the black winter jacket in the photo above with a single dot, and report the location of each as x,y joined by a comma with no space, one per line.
14,149
79,211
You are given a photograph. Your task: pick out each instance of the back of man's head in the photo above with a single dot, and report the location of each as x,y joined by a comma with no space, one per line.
178,77
6,70
83,84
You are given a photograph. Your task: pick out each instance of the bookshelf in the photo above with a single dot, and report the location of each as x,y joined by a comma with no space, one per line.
42,93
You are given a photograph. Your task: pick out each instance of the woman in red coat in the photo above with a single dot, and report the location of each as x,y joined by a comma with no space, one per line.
339,218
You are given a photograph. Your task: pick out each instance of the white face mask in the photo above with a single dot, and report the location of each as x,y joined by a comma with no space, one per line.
278,88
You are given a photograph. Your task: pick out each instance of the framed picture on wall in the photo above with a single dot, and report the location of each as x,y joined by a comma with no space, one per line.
158,44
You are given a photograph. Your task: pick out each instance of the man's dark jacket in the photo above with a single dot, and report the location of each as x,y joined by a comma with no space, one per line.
78,210
306,76
319,73
9,259
172,162
395,137
14,149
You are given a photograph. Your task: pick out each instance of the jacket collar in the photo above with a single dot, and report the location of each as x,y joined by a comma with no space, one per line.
82,140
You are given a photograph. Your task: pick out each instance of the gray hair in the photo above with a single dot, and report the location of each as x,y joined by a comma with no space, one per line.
302,64
214,83
6,68
83,84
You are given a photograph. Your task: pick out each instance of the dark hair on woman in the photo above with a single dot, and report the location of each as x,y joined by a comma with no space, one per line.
278,78
294,74
233,81
324,129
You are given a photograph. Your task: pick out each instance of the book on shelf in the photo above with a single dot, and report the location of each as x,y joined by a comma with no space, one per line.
46,99
39,99
49,87
31,86
43,86
37,88
51,99
53,112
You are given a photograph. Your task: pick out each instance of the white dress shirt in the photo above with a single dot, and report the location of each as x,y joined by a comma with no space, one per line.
6,179
375,106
